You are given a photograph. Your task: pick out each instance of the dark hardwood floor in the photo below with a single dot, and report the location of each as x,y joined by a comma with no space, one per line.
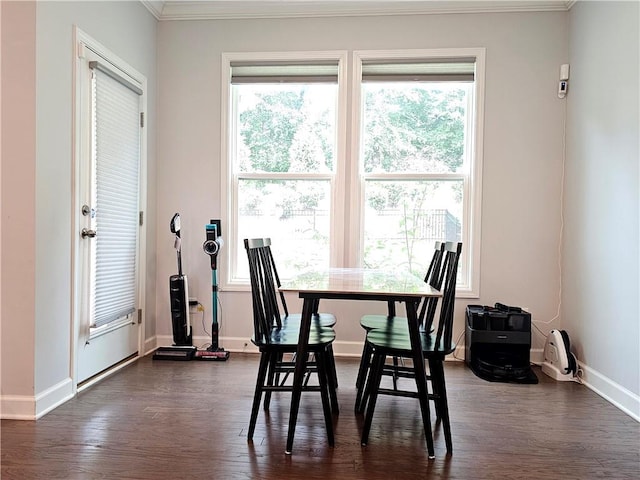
179,420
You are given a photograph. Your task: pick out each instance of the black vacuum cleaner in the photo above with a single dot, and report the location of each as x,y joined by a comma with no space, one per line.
182,348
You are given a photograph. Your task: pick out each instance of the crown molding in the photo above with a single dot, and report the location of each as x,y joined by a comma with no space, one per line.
244,9
154,6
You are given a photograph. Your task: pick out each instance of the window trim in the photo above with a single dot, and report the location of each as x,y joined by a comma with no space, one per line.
472,189
227,199
347,224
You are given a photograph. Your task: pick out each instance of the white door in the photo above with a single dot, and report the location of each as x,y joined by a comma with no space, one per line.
108,212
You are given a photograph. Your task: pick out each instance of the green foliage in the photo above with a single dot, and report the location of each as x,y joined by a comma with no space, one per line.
413,129
407,127
268,129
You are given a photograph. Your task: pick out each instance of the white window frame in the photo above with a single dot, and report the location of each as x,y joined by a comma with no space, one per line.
229,181
346,237
469,284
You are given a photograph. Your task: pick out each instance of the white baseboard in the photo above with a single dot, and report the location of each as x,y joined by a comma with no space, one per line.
244,345
614,393
26,407
18,407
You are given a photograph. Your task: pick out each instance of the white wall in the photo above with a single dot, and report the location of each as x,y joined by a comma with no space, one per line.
600,260
38,257
522,148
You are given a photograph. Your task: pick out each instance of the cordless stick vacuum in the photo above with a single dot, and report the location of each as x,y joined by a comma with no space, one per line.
182,348
211,247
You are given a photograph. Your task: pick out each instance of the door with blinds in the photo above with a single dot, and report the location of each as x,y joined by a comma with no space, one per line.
109,213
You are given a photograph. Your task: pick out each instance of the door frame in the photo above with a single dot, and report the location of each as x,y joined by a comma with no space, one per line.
82,41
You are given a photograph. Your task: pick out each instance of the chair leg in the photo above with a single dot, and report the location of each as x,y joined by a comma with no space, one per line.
274,359
373,385
423,396
333,373
262,373
330,364
365,365
325,387
394,374
432,378
436,365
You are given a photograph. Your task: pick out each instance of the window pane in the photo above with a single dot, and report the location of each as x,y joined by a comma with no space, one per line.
403,219
294,213
414,127
285,127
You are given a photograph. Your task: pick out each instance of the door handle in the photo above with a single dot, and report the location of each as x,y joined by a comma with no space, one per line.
88,233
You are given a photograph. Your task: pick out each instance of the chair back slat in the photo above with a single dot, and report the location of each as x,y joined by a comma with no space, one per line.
260,323
434,279
272,261
444,334
266,313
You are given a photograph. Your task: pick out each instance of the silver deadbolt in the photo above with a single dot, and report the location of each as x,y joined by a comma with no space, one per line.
88,211
88,233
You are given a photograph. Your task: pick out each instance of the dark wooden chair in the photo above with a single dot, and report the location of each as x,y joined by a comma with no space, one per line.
392,322
274,339
291,321
436,344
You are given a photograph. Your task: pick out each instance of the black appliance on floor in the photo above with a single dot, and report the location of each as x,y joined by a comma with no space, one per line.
182,348
498,343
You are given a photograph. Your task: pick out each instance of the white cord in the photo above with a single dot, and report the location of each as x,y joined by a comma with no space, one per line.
564,158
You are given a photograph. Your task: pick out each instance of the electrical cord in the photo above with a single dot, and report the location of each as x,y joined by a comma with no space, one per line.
201,309
564,158
458,343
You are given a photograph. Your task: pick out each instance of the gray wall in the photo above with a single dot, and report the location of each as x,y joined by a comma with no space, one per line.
601,209
522,149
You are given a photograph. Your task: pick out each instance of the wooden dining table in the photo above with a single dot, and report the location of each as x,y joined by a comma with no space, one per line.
390,286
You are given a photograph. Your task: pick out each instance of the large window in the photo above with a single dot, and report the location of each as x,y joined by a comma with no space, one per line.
416,131
411,176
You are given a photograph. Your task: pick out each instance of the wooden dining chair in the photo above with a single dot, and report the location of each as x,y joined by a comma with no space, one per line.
274,340
291,321
392,322
436,344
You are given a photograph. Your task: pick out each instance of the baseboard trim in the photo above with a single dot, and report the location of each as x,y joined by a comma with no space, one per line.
244,345
18,407
27,407
616,394
54,397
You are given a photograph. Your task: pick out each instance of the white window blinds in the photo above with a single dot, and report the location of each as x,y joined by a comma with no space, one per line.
441,70
116,160
277,72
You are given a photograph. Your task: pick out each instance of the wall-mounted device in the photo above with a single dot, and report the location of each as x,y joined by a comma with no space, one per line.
563,85
211,246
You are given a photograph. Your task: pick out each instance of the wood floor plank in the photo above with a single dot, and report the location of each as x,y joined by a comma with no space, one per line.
173,420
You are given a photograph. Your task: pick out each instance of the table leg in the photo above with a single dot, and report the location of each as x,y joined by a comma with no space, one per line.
300,368
420,374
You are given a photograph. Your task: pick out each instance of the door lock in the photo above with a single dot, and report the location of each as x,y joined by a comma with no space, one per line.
88,233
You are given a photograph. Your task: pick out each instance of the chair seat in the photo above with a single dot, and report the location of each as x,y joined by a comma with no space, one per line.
287,338
396,342
318,319
371,322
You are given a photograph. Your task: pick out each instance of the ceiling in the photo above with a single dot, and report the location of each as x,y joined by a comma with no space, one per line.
237,9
